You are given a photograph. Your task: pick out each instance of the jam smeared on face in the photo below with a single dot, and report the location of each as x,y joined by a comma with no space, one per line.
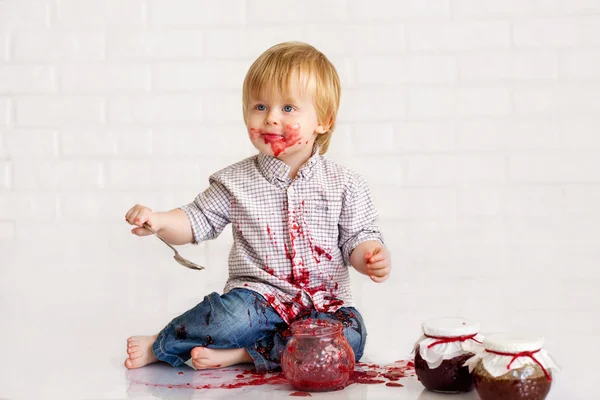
279,141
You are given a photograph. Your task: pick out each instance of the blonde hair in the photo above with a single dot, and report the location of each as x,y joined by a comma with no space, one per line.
276,68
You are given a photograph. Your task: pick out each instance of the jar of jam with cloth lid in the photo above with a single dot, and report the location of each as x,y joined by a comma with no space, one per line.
512,367
440,354
317,357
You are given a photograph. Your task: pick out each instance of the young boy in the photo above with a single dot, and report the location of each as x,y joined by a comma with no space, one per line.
299,220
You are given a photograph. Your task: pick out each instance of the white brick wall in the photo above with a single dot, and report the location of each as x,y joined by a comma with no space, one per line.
5,110
193,12
166,44
147,109
106,13
476,122
59,45
457,36
60,110
105,78
26,79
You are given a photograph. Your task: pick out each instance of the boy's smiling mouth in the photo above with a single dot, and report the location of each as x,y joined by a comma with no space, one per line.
268,136
278,141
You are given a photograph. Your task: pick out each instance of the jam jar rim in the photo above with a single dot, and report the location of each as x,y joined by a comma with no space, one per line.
513,342
450,327
316,328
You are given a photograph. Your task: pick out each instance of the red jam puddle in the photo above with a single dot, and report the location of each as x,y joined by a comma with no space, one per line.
235,378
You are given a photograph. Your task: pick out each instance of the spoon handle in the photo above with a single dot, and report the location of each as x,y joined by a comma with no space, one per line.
158,236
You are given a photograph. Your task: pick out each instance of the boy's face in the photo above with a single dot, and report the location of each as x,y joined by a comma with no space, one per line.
284,125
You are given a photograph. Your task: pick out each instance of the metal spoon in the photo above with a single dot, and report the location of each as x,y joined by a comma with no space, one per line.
177,257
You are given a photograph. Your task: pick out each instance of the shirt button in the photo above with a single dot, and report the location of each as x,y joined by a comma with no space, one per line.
290,191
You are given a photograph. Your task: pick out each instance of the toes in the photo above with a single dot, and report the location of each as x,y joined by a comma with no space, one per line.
199,352
131,363
135,354
204,364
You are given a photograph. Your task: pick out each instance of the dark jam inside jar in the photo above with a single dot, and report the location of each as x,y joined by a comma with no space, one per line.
317,357
526,383
449,377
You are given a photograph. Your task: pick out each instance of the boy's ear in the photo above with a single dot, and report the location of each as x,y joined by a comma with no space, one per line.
323,128
320,129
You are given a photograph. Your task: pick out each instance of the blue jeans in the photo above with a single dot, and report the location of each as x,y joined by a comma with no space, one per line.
242,318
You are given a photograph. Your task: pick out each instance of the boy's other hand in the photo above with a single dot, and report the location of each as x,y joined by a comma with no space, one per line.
378,264
138,215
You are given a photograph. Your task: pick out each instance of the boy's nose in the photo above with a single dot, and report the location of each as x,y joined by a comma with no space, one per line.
271,119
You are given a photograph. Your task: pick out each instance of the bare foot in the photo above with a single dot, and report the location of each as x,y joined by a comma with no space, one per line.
140,352
203,358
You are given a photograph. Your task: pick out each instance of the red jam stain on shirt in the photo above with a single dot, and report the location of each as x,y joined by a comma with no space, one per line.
322,252
317,251
302,278
287,252
271,236
286,308
332,303
279,141
300,275
314,290
267,269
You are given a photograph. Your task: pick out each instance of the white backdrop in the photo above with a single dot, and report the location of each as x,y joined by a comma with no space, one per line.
475,122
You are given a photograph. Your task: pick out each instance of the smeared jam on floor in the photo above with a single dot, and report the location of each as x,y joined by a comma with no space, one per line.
364,373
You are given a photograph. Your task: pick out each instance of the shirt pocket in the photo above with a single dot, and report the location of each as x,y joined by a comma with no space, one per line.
322,218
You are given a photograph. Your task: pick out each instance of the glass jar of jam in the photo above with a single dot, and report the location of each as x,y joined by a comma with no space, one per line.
317,357
512,367
440,354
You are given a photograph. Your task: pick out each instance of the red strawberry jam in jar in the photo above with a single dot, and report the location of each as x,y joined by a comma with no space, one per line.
512,367
317,357
440,354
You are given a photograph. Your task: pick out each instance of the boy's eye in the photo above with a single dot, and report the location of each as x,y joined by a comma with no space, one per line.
261,107
288,108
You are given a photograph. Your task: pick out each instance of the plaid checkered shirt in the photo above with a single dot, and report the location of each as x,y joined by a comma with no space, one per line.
292,238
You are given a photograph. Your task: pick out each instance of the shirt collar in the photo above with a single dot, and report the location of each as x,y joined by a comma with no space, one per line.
273,168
